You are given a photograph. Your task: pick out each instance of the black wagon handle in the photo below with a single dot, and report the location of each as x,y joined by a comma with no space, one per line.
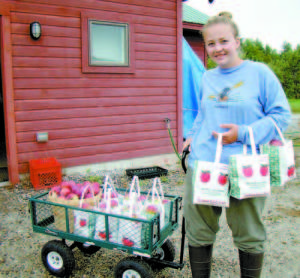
185,152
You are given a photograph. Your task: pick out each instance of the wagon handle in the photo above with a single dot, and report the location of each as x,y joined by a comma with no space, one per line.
185,152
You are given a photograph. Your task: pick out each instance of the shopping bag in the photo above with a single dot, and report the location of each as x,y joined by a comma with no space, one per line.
282,159
210,181
84,221
249,174
157,204
133,197
132,231
165,202
109,204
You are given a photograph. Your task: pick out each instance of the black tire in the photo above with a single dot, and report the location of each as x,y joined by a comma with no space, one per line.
166,253
58,258
132,267
87,250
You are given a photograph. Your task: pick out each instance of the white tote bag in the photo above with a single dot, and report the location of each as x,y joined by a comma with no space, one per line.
108,205
156,204
130,230
210,181
84,222
249,174
282,159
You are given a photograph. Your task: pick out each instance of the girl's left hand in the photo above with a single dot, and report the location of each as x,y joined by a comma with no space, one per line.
229,136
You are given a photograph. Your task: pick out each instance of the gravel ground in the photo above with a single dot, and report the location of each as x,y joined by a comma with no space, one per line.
21,248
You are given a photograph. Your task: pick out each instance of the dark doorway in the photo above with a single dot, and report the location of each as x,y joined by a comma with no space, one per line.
3,158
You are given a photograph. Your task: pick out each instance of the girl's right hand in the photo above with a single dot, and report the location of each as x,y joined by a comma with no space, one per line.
186,143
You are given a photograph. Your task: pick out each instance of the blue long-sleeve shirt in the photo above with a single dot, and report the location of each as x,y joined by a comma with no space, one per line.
247,95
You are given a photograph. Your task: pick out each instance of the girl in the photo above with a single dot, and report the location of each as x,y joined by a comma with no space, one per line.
236,94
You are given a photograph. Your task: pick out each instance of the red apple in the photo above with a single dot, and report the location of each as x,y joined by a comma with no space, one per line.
65,184
65,191
96,187
275,142
56,189
205,176
264,170
247,171
74,187
222,179
88,195
77,190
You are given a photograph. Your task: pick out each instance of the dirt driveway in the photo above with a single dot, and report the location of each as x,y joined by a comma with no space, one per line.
20,247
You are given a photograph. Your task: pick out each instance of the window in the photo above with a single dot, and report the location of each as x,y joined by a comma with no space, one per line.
107,46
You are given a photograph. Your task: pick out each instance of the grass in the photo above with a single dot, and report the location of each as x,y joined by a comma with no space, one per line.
295,105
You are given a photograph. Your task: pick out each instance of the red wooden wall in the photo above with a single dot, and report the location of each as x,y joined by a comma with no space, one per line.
92,117
197,44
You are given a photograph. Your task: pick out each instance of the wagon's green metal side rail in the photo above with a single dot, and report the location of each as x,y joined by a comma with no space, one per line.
155,235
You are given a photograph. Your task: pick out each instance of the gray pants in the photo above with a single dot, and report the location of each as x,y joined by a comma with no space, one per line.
244,217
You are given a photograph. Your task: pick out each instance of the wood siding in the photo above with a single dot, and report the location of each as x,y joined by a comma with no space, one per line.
196,42
93,117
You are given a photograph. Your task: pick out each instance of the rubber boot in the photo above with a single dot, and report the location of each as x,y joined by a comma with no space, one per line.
251,264
200,260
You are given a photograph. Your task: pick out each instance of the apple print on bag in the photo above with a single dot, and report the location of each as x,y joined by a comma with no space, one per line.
127,242
248,171
222,179
205,176
82,222
102,235
264,170
291,171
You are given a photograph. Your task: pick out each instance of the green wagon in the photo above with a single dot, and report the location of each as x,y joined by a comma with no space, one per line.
153,247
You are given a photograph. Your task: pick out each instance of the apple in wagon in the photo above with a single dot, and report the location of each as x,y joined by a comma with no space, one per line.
276,142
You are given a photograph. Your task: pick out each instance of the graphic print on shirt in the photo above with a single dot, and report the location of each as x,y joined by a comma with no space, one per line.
224,94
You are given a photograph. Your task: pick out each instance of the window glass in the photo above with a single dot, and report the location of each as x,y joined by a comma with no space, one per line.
108,44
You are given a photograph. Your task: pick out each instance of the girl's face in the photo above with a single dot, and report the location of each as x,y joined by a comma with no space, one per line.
222,46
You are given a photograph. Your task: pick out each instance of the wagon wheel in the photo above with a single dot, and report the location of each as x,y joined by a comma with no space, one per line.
166,253
58,258
133,267
87,249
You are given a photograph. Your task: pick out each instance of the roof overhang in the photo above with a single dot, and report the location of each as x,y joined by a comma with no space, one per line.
192,26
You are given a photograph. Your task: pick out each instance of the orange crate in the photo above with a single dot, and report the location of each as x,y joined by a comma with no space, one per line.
45,172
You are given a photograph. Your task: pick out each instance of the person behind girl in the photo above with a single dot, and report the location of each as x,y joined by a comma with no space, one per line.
236,94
